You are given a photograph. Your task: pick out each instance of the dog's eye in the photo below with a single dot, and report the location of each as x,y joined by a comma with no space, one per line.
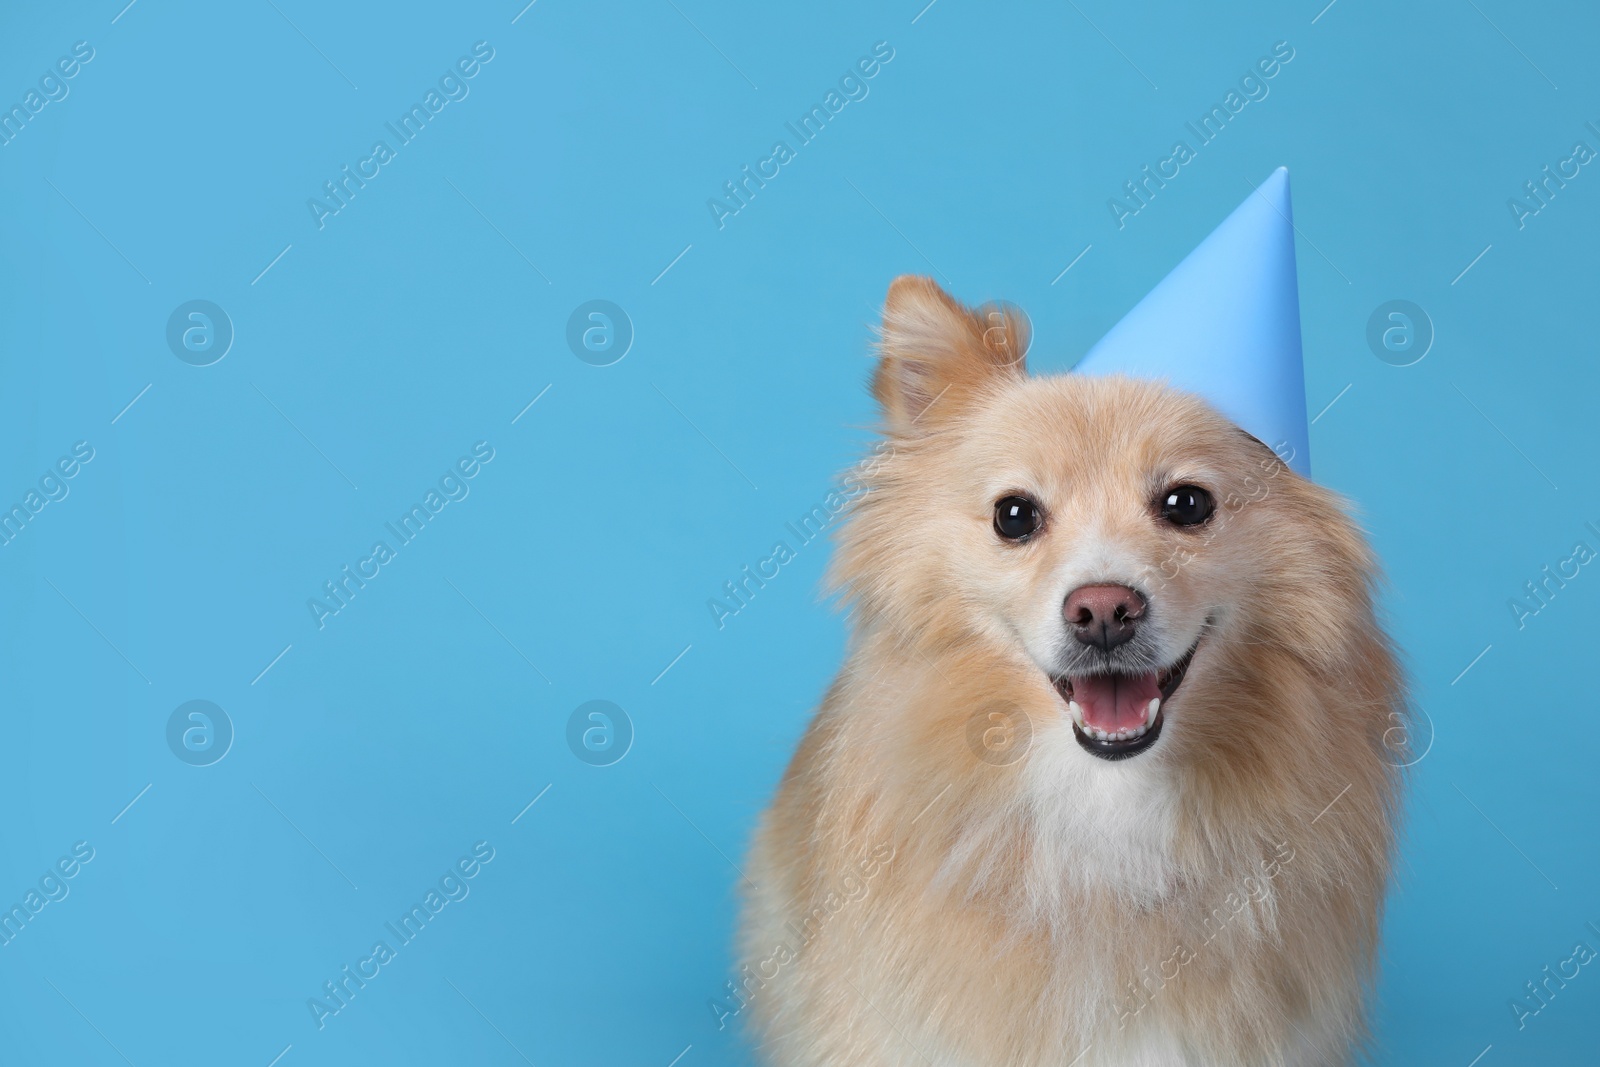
1015,517
1187,505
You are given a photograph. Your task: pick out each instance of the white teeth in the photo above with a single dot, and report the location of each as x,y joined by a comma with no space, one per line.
1117,735
1150,712
1102,735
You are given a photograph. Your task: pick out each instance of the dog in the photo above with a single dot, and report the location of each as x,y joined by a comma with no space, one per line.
1107,777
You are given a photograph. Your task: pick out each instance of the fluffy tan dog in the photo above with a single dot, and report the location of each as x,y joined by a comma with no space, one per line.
1104,781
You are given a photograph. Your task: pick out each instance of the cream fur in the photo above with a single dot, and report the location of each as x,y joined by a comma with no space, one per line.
1212,901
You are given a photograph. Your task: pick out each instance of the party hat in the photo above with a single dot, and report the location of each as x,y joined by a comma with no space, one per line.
1225,324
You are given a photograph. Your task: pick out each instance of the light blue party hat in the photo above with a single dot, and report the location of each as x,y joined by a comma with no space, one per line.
1225,324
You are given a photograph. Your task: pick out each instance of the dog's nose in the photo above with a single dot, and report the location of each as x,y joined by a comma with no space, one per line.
1104,616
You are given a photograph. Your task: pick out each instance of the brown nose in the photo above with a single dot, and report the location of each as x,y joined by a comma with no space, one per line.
1104,616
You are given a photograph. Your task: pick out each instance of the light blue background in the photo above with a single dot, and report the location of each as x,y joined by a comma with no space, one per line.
409,328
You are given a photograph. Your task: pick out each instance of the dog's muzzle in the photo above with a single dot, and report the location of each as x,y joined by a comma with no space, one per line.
1116,715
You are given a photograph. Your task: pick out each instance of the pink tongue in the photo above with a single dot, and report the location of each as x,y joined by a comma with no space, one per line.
1115,702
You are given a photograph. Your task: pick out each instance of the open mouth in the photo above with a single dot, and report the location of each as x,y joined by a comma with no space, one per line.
1115,716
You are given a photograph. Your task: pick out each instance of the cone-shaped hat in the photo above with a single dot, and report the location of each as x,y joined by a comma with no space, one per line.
1225,324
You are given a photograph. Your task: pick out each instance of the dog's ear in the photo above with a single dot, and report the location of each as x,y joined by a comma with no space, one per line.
934,354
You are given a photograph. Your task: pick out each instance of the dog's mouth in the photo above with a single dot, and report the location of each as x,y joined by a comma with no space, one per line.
1118,715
